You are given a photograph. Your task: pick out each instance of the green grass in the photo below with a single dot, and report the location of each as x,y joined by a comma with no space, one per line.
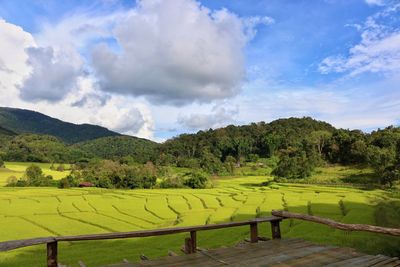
17,169
39,212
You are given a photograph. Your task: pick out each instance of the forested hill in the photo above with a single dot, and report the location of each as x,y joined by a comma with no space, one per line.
137,149
4,131
260,139
27,121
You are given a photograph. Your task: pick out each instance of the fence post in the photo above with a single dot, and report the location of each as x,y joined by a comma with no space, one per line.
253,232
276,230
193,240
52,254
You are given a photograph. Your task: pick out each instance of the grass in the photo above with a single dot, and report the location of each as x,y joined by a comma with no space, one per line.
39,212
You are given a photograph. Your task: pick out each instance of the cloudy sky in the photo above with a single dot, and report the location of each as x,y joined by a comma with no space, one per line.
157,68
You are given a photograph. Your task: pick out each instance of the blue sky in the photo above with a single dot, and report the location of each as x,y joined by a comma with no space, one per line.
159,68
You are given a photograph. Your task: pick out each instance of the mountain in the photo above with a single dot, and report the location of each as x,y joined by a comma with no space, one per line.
139,149
28,121
4,131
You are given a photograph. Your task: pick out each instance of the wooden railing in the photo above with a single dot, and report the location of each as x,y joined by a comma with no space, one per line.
190,243
338,225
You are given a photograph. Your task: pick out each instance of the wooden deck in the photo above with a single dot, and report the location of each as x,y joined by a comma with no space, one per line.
285,252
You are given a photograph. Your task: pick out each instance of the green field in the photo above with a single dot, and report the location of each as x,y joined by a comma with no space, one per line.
40,212
17,169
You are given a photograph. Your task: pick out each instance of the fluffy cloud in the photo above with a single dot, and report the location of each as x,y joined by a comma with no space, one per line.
378,51
14,41
53,74
124,117
219,116
175,52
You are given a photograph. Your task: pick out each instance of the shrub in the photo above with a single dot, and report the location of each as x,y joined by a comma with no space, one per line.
172,182
196,180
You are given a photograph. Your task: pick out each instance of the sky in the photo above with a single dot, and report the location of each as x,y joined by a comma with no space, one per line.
159,68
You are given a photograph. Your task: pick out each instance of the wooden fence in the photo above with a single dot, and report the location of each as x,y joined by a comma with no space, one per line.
191,242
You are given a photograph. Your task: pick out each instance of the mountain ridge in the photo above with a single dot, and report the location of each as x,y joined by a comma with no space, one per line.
18,121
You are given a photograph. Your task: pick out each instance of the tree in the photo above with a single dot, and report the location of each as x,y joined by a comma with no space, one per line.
34,176
383,161
230,163
1,163
196,180
320,139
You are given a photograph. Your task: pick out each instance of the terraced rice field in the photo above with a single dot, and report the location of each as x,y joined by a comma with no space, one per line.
39,212
17,169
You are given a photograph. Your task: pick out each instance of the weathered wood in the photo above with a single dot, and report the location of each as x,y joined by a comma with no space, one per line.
270,253
253,233
276,230
188,246
52,254
193,240
338,225
10,245
14,244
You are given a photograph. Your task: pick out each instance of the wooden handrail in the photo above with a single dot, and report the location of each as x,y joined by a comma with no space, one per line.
337,225
10,245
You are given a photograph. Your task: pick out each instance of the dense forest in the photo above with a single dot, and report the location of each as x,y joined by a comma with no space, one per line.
27,121
297,145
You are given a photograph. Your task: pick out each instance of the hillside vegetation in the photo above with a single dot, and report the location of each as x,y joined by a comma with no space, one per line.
27,121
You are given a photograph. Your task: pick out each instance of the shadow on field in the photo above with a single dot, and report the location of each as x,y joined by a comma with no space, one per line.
97,253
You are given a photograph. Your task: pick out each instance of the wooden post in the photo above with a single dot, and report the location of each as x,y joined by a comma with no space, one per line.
253,233
52,254
193,239
276,230
188,245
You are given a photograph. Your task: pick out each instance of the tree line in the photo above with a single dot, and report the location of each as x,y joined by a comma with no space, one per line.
298,144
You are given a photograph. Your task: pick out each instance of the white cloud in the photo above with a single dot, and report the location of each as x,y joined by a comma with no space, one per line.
377,52
219,116
13,68
53,74
176,52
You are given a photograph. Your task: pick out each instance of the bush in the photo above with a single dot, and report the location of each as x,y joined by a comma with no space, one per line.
172,182
12,181
196,180
68,181
60,168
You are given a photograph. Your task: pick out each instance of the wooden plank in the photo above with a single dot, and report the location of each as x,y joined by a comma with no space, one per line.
320,258
388,262
282,256
254,251
377,259
338,225
357,261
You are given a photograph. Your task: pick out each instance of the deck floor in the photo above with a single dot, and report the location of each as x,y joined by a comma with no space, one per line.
285,252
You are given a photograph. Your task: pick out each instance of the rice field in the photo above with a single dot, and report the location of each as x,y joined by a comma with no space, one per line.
17,169
40,212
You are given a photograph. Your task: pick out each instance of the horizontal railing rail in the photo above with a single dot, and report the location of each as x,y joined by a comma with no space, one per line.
337,225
